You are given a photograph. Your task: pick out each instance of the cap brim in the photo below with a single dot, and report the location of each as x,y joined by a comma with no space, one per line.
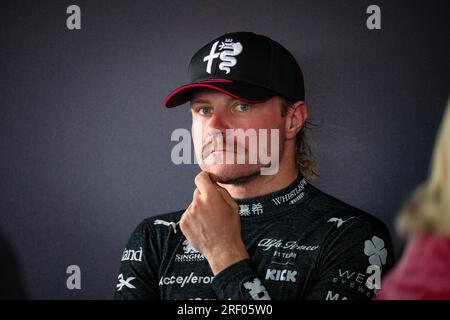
239,90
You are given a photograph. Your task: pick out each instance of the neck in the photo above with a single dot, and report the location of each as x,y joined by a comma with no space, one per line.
265,184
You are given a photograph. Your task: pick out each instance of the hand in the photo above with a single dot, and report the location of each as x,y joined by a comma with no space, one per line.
212,225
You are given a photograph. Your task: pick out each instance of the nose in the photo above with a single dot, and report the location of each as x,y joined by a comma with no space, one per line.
218,121
216,129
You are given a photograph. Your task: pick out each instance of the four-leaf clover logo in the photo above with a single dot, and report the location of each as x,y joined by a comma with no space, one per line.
376,251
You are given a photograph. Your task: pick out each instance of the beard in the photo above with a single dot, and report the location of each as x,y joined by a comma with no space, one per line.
235,178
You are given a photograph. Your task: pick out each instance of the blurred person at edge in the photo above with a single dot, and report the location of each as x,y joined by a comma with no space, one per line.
423,272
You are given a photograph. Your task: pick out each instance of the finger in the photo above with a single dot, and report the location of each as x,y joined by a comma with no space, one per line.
196,194
204,183
188,208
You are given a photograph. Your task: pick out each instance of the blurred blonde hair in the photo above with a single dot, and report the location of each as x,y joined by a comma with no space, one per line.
428,210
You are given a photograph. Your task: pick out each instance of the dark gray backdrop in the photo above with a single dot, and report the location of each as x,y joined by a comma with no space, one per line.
85,139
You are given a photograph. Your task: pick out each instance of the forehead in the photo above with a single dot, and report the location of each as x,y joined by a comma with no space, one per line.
208,95
202,95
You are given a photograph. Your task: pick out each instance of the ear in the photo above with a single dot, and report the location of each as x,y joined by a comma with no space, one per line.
296,119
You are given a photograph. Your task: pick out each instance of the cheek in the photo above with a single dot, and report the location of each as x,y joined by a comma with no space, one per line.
274,133
197,133
266,123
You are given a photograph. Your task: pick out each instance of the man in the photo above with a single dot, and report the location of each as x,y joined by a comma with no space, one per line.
254,229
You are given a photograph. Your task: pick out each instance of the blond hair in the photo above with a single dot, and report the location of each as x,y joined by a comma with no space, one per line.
428,210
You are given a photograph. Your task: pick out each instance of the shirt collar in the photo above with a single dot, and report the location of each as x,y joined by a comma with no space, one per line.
276,201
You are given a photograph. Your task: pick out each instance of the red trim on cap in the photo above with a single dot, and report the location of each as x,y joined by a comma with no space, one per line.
201,85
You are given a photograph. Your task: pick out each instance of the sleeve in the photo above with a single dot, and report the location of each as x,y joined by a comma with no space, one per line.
138,275
352,262
239,282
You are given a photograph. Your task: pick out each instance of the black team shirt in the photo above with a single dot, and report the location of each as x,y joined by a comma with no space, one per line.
302,243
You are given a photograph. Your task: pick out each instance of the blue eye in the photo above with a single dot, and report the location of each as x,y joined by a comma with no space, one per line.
242,107
205,111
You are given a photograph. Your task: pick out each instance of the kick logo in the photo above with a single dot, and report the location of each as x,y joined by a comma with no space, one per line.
126,283
229,50
281,275
256,290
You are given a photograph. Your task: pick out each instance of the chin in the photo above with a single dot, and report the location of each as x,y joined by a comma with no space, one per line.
232,173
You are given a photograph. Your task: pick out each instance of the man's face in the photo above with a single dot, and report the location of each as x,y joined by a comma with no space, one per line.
215,115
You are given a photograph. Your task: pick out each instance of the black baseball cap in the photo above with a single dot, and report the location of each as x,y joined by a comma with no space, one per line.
247,66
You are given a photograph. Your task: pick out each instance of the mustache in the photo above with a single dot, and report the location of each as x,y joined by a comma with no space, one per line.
212,145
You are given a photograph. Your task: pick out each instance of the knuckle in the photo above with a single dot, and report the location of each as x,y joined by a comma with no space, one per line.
207,198
194,207
182,225
197,179
183,220
196,194
185,217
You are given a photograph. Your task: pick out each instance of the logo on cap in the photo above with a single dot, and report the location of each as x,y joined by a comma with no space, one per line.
227,52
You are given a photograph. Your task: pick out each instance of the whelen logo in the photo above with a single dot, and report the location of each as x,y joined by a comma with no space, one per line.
182,281
281,275
132,255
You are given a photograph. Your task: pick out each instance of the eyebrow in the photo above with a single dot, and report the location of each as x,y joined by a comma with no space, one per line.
198,100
